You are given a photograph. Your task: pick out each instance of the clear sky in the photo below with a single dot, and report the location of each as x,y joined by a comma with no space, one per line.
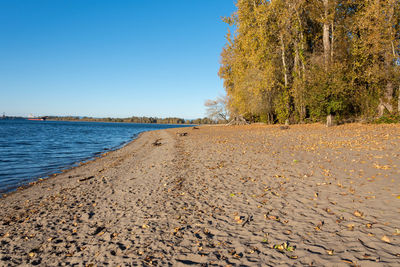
110,58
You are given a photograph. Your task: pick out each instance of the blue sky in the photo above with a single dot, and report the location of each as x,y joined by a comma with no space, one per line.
115,58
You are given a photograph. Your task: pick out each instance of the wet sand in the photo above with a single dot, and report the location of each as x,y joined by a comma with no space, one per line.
242,195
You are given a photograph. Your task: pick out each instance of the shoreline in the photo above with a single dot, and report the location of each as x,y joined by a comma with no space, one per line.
35,180
252,195
65,168
48,172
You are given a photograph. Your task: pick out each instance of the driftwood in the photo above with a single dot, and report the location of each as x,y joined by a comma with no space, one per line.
195,128
237,120
157,143
85,179
181,134
286,126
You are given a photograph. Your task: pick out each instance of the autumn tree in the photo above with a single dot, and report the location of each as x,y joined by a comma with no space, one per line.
306,59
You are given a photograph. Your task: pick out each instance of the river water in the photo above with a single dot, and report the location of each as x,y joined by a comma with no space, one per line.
35,149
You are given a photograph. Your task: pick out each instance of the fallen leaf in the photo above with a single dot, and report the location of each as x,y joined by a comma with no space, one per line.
287,232
271,217
239,219
275,193
341,219
319,226
358,213
385,239
382,167
329,211
284,247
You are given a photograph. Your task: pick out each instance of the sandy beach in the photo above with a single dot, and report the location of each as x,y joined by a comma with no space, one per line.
242,195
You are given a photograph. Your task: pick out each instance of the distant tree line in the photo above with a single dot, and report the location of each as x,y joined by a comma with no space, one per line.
302,60
135,120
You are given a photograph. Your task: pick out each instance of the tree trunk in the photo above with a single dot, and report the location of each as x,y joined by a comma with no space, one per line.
398,102
326,38
284,61
296,59
389,97
285,74
386,100
332,39
329,121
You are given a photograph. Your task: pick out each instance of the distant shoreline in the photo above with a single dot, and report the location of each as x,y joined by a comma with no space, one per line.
120,122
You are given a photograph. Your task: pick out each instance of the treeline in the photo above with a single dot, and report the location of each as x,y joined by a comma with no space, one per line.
135,120
301,60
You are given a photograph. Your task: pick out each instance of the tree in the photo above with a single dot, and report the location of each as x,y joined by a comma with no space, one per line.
217,109
306,59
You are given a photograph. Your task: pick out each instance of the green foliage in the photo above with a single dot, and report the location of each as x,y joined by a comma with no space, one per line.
388,119
282,110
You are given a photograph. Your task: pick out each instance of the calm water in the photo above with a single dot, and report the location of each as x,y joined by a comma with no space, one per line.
33,149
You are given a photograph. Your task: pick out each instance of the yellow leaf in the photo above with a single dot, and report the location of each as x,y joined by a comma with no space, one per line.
385,239
358,213
238,219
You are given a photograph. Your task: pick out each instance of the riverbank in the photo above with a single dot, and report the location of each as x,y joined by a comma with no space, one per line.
253,195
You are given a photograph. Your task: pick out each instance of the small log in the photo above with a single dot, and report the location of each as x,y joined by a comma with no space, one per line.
181,134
